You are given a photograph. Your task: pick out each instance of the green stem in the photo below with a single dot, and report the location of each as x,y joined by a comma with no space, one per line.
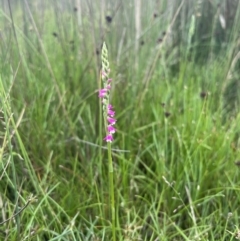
100,149
111,188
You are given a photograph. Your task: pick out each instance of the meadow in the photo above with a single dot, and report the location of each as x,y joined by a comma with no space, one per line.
176,93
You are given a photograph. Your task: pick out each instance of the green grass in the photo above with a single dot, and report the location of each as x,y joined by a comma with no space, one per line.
178,125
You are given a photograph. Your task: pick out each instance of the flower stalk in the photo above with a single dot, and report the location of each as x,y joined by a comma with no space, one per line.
109,122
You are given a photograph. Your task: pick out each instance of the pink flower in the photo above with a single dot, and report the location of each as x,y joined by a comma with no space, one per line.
102,93
107,108
109,138
110,107
111,112
111,129
104,74
111,120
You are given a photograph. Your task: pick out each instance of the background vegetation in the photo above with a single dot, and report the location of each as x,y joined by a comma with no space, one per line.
175,70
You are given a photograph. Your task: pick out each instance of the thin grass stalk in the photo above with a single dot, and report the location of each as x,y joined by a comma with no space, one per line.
8,116
100,129
231,61
100,120
78,6
48,64
93,15
213,40
102,13
150,71
138,29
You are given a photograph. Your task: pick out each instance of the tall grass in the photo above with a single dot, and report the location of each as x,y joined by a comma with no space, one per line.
176,151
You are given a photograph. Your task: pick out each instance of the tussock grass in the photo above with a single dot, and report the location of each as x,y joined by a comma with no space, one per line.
177,143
